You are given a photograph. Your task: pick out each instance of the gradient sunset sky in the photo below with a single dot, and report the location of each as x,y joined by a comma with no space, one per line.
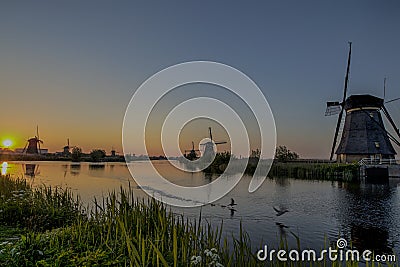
71,67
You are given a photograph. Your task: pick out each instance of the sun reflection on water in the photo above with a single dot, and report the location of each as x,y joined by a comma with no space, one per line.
4,167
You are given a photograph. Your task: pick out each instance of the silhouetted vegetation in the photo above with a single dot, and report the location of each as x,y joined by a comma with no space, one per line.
76,154
315,171
97,155
255,153
288,168
283,154
219,163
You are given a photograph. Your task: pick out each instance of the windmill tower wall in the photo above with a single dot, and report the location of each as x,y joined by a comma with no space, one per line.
364,134
32,146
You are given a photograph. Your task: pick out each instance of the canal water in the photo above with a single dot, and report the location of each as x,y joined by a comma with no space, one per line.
367,215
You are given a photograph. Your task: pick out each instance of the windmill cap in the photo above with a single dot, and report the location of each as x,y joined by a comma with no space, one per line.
363,101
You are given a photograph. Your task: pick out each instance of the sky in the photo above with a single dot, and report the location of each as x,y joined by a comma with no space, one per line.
72,67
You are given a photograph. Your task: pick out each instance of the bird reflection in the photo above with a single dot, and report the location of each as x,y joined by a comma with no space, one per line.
230,206
280,211
282,228
232,211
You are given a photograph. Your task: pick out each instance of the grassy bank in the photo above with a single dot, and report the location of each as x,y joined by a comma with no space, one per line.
49,227
291,169
319,171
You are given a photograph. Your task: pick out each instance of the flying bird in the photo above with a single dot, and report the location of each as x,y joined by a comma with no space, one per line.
232,203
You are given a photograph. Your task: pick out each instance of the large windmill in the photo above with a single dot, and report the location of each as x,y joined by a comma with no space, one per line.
33,144
364,134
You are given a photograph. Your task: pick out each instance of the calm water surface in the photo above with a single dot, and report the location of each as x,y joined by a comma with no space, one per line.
366,214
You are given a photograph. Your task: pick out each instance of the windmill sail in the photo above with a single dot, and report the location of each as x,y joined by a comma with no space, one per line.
332,108
346,82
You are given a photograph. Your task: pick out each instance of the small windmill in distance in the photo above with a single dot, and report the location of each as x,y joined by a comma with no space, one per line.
66,149
192,155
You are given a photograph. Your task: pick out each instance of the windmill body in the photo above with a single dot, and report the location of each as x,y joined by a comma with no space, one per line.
364,134
209,147
207,151
33,144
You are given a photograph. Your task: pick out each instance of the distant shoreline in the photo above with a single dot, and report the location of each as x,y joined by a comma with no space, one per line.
84,158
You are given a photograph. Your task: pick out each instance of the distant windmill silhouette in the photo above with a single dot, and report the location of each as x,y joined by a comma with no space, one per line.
192,155
33,144
66,149
209,146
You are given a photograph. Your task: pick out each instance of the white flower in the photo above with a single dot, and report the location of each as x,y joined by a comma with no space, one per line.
219,265
208,253
195,260
214,250
215,257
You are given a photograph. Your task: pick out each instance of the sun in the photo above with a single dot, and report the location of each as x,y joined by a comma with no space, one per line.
7,143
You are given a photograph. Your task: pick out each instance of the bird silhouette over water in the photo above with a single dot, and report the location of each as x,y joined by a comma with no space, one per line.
229,206
280,212
232,203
